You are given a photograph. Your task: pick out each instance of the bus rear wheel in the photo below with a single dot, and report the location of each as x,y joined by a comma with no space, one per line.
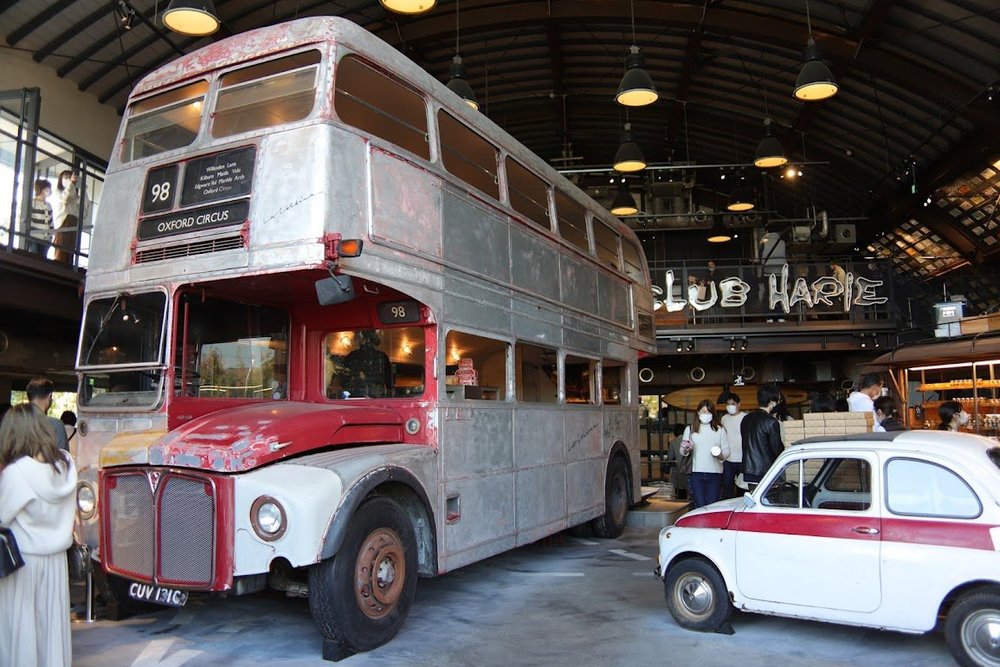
360,598
616,501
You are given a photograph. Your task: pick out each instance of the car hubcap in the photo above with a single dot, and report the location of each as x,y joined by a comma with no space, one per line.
379,573
694,594
981,636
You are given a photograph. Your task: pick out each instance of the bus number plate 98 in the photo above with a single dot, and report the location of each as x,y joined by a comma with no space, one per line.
396,312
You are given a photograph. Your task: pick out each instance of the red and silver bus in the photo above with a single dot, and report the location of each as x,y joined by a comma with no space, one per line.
342,331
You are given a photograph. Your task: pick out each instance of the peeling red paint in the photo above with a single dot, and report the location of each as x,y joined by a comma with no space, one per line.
249,436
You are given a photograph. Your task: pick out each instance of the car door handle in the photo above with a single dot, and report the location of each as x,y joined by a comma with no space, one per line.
865,530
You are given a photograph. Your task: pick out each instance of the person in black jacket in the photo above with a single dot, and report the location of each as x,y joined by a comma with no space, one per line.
761,435
886,415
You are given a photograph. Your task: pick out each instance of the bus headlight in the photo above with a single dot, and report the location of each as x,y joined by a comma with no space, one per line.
268,518
86,500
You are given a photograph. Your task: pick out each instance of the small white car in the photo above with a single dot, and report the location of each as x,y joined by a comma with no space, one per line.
885,530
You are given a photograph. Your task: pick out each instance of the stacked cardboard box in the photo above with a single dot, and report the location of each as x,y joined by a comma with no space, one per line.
826,424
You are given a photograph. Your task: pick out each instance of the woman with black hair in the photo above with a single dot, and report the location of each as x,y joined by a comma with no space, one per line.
952,416
886,415
708,446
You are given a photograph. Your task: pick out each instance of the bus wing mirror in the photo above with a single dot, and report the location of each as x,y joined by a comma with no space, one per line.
334,290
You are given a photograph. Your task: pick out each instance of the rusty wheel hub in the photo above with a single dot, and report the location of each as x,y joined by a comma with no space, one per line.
379,573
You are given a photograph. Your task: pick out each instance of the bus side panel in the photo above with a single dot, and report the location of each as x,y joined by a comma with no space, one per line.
621,424
475,240
612,299
540,483
586,455
481,306
579,284
534,264
406,207
478,478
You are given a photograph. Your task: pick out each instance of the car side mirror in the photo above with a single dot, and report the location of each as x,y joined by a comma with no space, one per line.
748,500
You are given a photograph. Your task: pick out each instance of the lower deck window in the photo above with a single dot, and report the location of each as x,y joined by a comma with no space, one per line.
374,363
537,379
476,367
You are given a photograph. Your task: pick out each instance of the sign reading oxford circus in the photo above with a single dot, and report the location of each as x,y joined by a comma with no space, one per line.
734,292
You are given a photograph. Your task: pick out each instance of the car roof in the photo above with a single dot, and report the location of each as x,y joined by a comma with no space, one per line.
947,443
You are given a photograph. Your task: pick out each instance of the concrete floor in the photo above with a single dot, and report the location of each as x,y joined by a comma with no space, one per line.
561,601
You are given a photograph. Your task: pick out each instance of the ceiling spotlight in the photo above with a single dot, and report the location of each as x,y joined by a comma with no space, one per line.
791,172
680,346
690,346
126,15
864,343
743,344
770,152
408,6
875,342
732,345
195,18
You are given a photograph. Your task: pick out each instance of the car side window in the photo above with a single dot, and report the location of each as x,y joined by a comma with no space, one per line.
823,484
921,488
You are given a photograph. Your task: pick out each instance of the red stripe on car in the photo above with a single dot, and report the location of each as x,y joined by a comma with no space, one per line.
708,520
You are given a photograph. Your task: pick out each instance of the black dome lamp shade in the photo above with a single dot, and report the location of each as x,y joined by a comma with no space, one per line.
815,81
458,84
770,152
196,18
629,156
624,202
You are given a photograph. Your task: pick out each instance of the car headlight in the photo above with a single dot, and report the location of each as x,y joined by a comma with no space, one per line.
268,518
86,500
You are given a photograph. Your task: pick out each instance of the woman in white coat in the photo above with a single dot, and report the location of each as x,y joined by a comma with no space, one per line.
37,502
706,441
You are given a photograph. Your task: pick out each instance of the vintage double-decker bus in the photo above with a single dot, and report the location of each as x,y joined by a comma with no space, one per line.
340,331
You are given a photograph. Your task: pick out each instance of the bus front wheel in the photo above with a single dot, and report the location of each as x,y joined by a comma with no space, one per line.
360,597
616,501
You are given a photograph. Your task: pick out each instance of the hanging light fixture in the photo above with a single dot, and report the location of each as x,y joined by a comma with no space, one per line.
624,202
741,199
196,18
636,88
718,233
770,152
457,74
815,81
408,6
629,156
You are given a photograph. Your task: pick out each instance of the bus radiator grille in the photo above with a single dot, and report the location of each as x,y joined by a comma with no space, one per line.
189,249
183,529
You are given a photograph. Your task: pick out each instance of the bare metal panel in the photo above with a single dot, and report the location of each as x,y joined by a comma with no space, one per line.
480,440
409,216
581,335
540,497
585,487
534,265
584,432
535,322
480,306
612,299
487,522
474,238
539,437
578,282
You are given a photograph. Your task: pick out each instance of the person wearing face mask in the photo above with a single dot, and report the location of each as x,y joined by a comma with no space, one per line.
863,400
886,415
706,443
761,435
952,416
734,462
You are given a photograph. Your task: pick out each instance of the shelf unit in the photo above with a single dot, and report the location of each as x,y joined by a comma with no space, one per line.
975,385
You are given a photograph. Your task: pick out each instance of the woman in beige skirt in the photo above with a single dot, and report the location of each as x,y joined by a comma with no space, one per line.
37,502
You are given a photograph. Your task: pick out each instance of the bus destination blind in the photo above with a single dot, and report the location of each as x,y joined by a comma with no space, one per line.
398,312
216,177
194,220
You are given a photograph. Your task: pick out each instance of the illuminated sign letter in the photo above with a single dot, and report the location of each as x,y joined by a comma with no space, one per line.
778,295
669,303
696,303
734,292
824,288
800,292
866,292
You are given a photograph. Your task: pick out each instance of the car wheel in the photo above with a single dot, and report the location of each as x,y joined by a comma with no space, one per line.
361,597
696,595
616,501
972,628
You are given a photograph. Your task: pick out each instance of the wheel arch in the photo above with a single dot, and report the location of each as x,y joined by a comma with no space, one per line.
619,450
968,587
697,555
401,486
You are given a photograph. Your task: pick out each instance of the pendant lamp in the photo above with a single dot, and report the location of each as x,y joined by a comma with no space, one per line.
815,81
408,6
624,202
629,156
458,84
770,152
718,233
636,88
741,199
195,18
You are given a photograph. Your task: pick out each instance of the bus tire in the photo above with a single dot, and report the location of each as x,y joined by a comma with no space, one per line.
616,501
361,596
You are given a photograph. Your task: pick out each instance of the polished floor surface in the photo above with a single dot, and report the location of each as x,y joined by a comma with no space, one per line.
561,601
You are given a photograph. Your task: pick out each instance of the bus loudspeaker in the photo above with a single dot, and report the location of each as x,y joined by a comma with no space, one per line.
335,289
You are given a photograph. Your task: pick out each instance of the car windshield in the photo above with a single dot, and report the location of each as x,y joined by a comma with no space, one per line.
122,389
123,330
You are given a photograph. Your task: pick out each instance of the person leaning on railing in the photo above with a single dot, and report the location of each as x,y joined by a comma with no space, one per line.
41,219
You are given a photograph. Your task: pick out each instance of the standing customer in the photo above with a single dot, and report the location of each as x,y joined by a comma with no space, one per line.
952,416
67,216
37,502
706,444
734,462
863,400
39,392
41,219
886,415
761,434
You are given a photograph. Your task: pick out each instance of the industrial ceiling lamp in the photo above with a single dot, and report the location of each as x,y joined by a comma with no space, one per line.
629,156
741,199
718,233
770,152
624,202
457,73
408,6
636,88
815,81
195,18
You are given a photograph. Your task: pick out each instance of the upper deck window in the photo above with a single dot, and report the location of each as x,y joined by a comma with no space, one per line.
606,244
267,94
529,195
633,261
165,121
468,156
380,105
572,221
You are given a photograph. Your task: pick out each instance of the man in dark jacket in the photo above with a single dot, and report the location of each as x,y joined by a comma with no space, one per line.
761,434
40,395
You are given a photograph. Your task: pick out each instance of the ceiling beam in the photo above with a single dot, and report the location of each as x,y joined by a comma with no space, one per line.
37,21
